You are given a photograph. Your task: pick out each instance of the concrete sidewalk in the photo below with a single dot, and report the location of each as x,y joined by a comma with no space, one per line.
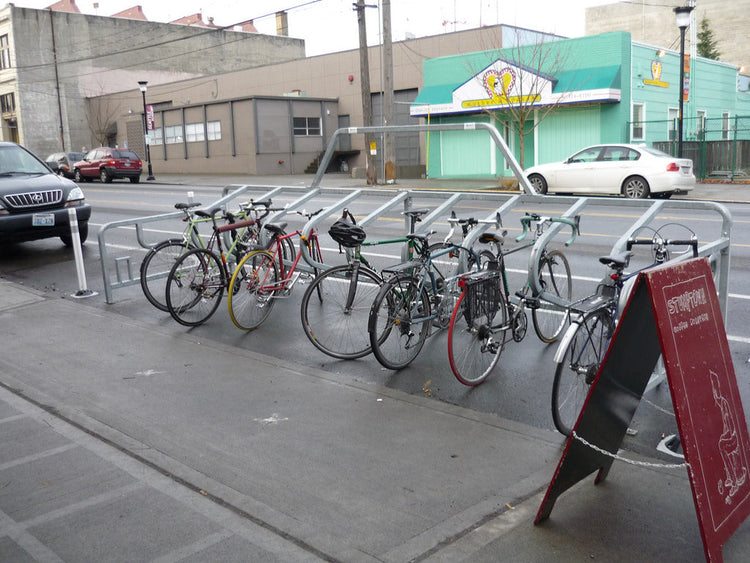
135,442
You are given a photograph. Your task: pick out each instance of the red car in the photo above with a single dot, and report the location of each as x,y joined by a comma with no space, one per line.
107,164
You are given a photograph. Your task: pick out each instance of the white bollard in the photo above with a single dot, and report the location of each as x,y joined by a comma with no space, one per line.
75,235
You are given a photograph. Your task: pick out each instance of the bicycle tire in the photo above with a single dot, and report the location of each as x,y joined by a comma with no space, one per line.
393,342
332,327
155,268
250,299
195,286
471,355
554,277
579,367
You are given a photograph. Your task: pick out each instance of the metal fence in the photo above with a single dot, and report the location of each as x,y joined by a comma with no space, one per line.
719,147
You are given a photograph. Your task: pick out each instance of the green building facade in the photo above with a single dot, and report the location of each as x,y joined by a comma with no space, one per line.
568,93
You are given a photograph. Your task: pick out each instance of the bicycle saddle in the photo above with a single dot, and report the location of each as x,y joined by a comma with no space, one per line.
416,212
277,228
182,206
616,261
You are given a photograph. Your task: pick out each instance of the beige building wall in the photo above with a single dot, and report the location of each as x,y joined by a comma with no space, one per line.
332,76
654,23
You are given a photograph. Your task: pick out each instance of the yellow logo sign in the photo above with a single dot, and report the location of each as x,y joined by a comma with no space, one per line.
499,85
655,79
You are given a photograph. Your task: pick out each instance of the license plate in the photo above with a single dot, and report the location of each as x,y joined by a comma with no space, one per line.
43,220
126,164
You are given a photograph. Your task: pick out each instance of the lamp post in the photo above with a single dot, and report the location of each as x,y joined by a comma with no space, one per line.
683,20
142,85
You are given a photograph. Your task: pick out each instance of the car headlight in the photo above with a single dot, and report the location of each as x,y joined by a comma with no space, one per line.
75,194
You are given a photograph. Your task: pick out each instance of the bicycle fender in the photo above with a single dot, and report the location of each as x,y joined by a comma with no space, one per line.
564,342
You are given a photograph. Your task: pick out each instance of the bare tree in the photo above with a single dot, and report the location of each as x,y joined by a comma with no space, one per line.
519,85
101,117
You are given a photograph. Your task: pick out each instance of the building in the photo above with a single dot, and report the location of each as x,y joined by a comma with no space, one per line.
278,118
569,94
52,61
654,24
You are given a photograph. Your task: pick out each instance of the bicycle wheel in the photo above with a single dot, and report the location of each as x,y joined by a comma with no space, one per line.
554,277
155,268
195,286
252,288
395,336
474,341
579,367
335,310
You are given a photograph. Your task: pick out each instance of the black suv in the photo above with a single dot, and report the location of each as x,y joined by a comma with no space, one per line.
34,202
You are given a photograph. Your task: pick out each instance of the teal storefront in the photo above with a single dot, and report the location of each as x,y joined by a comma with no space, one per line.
568,93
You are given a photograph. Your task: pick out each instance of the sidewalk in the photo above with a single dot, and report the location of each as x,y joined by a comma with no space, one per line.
139,443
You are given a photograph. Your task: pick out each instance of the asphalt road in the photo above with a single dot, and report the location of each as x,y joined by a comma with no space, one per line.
520,387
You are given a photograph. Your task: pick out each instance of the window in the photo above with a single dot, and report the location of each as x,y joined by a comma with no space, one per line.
725,126
638,123
194,132
673,116
157,136
214,130
306,126
173,134
4,51
8,103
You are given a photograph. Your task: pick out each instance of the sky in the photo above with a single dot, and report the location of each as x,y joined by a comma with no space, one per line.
331,25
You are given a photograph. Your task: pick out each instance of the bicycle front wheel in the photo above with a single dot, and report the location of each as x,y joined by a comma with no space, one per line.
554,277
586,346
335,309
398,323
155,268
252,288
195,287
474,341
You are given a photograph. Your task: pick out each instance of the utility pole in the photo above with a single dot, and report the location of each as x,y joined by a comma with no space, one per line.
389,147
364,71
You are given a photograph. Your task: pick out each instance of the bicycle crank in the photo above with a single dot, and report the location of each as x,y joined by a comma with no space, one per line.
520,324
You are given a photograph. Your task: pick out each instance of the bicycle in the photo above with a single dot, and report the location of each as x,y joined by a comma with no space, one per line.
484,313
592,323
159,260
336,322
415,297
261,277
198,278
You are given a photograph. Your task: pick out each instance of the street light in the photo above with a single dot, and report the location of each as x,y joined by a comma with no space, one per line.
683,20
142,85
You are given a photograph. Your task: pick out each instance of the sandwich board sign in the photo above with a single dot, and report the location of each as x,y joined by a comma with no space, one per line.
673,311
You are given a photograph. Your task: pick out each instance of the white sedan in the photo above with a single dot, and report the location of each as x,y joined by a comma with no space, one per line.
635,171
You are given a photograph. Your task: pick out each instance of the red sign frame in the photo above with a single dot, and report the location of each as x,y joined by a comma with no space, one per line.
675,306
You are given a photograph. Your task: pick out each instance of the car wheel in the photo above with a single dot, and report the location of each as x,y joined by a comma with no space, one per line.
83,232
77,176
636,187
135,179
105,176
539,183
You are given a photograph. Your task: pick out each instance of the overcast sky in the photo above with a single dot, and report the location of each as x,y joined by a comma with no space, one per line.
331,25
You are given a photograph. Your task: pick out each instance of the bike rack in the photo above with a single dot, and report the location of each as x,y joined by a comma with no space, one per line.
717,250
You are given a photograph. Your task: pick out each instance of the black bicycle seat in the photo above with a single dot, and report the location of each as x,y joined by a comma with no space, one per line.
416,212
616,261
277,228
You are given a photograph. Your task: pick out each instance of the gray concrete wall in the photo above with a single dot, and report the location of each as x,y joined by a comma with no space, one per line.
96,55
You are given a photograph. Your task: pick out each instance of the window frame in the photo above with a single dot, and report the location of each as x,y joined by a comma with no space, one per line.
638,124
305,127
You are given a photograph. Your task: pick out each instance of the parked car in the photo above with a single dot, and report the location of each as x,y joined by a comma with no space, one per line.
635,171
63,163
34,202
108,164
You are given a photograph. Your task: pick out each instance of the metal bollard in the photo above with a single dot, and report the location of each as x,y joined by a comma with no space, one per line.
75,235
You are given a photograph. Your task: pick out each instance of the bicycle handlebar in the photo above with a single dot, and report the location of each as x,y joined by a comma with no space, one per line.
574,224
660,242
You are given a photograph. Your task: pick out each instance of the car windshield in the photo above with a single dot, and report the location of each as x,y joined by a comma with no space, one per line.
124,154
14,159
